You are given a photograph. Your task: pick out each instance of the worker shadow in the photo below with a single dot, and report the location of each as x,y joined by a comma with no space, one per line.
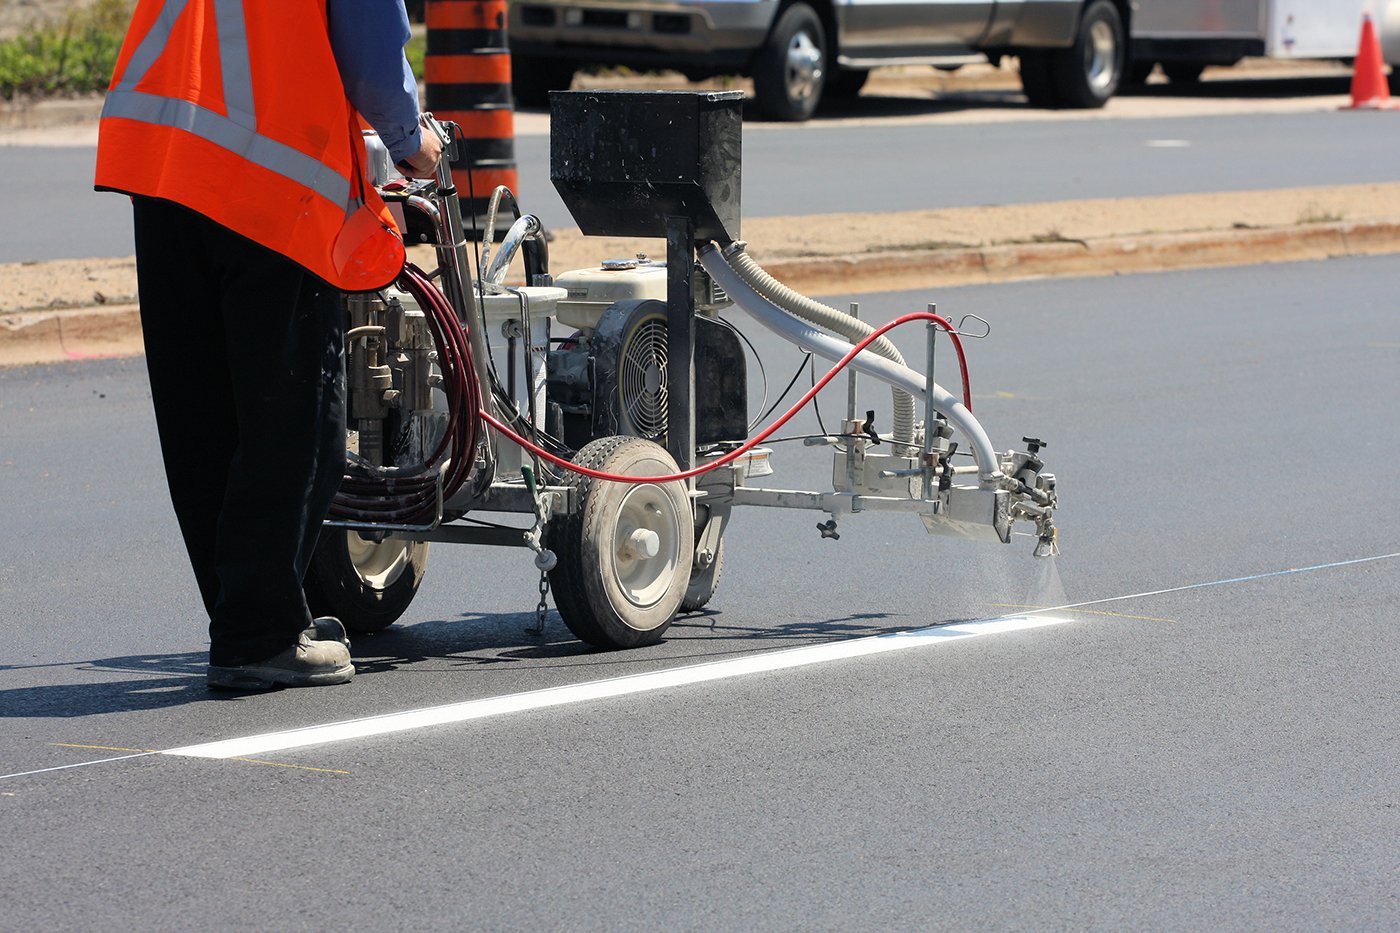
163,681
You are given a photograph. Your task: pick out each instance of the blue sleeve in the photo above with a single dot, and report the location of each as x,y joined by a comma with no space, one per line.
367,37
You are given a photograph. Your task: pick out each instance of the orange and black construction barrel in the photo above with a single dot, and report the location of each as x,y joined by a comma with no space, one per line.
467,72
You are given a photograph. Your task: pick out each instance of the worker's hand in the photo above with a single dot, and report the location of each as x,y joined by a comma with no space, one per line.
424,162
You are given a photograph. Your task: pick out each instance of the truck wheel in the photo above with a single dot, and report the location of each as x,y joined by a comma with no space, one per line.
1086,74
532,78
1037,79
790,69
845,83
1137,72
364,583
625,555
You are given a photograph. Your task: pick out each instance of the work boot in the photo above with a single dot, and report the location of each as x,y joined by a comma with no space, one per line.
328,628
308,663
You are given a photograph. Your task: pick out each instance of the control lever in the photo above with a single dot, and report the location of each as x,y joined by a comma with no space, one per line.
869,427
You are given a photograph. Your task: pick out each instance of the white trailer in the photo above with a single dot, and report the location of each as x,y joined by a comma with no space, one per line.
1185,36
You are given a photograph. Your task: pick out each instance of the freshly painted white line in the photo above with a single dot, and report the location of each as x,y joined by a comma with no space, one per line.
1169,143
615,687
902,639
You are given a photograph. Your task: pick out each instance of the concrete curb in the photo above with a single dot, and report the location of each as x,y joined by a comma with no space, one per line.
894,271
57,335
68,334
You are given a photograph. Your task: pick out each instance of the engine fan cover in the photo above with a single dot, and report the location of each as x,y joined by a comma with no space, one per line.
631,394
630,354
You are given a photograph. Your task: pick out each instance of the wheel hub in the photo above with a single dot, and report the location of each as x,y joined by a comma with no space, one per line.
1101,56
646,545
377,563
642,544
804,66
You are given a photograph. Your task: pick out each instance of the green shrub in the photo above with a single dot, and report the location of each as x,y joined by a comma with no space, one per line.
415,51
73,56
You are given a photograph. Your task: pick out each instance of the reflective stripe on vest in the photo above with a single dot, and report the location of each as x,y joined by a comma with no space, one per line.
237,132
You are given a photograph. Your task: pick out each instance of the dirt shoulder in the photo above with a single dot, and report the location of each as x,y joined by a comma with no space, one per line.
77,309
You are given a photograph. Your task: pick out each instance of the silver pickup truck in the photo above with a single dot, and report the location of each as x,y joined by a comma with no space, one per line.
1072,52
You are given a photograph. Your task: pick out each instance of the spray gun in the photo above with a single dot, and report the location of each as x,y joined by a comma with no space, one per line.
1034,493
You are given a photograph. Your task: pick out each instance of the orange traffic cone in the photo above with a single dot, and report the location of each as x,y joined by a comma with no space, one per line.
1369,88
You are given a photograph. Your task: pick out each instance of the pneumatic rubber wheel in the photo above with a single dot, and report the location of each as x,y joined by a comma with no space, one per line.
790,69
625,554
366,584
1086,74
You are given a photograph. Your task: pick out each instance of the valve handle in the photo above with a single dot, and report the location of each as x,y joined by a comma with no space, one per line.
869,427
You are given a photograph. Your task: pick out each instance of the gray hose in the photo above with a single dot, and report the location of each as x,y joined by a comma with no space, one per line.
838,322
808,337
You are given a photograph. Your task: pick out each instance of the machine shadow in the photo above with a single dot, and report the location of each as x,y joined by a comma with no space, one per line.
476,640
471,640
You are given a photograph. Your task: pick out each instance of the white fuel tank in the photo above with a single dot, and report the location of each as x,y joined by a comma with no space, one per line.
591,291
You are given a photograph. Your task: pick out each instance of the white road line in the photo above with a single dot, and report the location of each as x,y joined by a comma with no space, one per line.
603,689
638,683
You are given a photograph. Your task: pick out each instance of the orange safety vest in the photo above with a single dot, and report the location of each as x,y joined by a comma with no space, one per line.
236,110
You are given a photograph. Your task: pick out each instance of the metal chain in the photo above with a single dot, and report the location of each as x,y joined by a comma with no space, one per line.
543,608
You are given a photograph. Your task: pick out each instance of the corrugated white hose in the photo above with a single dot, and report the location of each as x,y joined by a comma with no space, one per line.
807,337
813,311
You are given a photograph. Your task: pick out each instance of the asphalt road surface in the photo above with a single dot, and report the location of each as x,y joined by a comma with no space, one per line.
1208,741
52,212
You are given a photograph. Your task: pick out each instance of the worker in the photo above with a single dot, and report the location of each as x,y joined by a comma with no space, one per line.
233,125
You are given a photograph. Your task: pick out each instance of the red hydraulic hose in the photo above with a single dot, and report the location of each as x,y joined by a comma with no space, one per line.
766,432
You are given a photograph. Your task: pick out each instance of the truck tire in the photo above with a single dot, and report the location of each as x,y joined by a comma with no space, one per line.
1037,79
1137,73
790,69
1086,74
532,78
845,83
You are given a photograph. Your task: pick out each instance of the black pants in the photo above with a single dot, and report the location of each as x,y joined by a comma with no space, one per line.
245,351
